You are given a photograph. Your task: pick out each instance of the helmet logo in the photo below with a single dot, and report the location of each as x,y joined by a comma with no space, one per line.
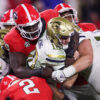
27,44
7,46
55,25
15,16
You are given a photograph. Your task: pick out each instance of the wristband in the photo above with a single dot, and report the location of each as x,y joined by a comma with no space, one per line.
69,71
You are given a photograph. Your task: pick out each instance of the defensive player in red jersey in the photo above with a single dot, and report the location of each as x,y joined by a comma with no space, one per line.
33,88
21,40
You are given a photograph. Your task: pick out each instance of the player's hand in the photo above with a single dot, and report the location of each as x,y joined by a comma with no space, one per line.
58,75
76,55
47,72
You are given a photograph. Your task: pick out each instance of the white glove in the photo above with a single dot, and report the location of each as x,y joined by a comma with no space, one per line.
58,75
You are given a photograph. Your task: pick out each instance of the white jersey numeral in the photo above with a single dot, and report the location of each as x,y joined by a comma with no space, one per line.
30,85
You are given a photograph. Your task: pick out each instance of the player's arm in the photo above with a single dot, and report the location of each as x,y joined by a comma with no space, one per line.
20,68
85,60
70,81
58,95
86,56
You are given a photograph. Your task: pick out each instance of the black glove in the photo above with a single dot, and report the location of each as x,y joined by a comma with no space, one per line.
70,51
73,45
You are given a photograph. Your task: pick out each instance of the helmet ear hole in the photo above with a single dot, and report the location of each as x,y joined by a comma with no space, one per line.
51,41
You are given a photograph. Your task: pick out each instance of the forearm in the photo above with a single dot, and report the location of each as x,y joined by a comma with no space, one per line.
25,72
69,61
22,70
83,62
57,95
70,81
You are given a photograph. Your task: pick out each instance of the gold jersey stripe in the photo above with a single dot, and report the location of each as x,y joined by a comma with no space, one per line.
56,56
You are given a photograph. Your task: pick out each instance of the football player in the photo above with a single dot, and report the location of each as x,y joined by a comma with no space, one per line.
13,88
81,86
68,12
21,40
7,22
89,54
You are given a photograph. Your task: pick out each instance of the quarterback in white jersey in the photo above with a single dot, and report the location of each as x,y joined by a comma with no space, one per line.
47,53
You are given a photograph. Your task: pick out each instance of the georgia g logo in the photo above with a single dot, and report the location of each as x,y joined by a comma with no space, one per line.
15,16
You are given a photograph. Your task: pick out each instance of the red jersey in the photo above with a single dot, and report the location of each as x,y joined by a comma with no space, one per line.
48,14
14,42
33,88
87,26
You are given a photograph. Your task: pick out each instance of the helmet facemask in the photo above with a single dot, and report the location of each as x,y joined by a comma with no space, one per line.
31,32
64,40
27,16
69,14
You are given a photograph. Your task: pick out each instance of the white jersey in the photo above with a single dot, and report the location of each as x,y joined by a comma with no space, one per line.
95,44
94,70
96,34
47,54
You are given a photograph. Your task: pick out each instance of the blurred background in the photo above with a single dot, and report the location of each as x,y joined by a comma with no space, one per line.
88,10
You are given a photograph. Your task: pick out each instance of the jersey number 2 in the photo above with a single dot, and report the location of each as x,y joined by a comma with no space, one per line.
30,85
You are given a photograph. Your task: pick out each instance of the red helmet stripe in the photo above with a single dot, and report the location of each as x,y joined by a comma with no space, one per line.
11,13
27,12
62,5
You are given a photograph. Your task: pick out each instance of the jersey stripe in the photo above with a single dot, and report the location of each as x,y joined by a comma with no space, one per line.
55,61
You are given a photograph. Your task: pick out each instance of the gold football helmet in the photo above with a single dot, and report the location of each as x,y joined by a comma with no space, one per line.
60,27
